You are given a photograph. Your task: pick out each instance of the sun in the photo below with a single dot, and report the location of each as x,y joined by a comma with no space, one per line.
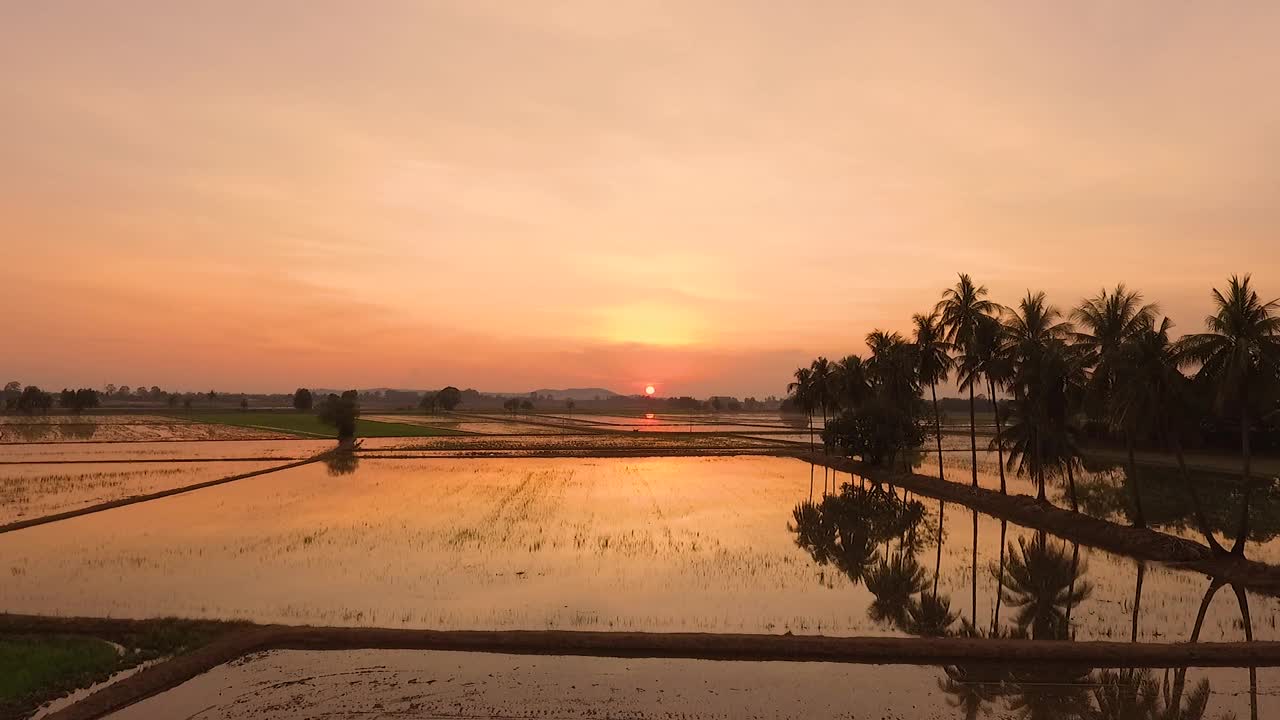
649,390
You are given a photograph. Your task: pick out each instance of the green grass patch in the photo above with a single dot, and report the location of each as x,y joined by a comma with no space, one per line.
34,669
37,666
308,425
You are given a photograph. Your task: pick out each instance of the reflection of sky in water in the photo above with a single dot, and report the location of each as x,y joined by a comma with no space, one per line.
1103,492
669,544
450,684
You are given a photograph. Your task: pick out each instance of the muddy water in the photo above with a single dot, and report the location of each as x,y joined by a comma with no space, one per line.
394,683
661,544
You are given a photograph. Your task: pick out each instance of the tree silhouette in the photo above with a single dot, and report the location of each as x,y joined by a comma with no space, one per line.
961,309
1043,584
302,399
341,413
934,358
1239,358
449,398
1151,395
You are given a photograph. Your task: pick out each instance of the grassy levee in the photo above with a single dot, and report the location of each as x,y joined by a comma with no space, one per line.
308,425
42,659
1142,544
245,639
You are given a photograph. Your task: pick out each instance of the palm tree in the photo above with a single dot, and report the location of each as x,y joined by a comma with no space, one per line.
892,368
801,389
989,361
849,382
893,583
1151,393
1108,322
1043,584
934,365
820,374
1040,438
1128,694
929,615
961,309
1239,357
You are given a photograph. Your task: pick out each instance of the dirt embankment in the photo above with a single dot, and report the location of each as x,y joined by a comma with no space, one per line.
241,639
1143,544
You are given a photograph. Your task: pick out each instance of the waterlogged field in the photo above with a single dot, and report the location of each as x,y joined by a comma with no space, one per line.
657,544
1104,490
37,490
481,427
52,453
581,443
448,684
122,428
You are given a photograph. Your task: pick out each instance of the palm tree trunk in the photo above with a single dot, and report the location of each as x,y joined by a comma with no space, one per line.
995,407
1071,589
937,428
1139,520
1242,534
1040,497
1137,600
973,437
1197,508
995,623
1071,485
1214,585
974,581
937,563
824,427
1243,599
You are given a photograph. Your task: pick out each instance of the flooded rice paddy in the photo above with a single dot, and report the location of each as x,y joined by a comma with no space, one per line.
122,428
396,683
710,544
37,490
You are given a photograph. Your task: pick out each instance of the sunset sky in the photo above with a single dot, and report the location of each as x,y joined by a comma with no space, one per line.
516,195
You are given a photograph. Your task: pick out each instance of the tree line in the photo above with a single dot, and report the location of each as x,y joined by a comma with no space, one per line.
1110,364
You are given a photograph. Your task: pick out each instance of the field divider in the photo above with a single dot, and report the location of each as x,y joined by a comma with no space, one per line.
688,646
1139,543
135,499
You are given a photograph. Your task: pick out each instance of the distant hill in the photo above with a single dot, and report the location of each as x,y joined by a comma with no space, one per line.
576,393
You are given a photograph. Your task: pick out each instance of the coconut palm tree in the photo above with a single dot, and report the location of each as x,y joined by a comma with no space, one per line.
1043,583
820,375
802,391
1105,322
961,309
893,582
849,382
933,357
1151,394
1108,321
989,363
1040,438
1239,357
929,615
1127,694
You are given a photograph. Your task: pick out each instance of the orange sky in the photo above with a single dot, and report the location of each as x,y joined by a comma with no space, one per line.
509,195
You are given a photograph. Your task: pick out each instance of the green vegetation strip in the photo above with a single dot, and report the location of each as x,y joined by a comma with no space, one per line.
40,661
35,669
308,425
